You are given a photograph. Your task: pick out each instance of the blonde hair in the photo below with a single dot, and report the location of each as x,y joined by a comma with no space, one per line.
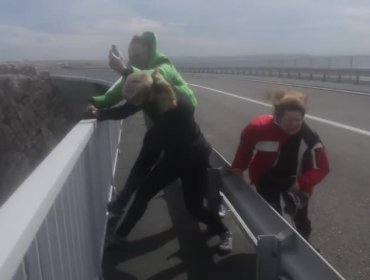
162,93
136,87
288,100
151,87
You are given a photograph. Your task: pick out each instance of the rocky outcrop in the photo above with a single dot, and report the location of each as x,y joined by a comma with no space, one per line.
34,117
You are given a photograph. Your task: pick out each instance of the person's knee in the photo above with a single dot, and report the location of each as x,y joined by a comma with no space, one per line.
143,196
272,198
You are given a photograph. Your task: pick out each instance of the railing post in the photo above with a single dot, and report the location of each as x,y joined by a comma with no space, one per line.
269,251
268,262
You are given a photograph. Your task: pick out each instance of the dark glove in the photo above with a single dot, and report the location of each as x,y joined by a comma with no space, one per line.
303,197
295,202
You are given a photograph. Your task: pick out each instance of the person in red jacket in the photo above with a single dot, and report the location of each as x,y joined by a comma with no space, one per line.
284,156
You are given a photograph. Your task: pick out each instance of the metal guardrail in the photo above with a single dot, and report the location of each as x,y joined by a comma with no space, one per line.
324,74
281,252
53,226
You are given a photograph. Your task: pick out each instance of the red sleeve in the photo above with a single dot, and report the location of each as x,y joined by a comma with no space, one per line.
245,150
316,167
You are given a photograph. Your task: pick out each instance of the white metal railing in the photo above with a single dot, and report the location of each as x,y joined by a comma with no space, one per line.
53,226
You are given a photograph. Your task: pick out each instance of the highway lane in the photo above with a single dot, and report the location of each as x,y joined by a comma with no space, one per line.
340,205
346,108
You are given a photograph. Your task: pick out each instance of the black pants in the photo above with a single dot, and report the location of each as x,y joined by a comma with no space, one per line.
147,158
271,189
193,175
212,192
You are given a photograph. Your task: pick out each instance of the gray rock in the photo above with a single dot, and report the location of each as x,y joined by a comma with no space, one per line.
34,117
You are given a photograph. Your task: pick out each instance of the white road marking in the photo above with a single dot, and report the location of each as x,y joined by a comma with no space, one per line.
318,119
311,87
332,90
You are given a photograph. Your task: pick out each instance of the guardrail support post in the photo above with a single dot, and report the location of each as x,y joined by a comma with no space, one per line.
268,262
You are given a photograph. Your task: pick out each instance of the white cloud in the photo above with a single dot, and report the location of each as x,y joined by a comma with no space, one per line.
175,45
133,25
356,11
23,43
186,27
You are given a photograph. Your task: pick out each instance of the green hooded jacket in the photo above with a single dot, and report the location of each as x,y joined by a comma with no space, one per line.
158,61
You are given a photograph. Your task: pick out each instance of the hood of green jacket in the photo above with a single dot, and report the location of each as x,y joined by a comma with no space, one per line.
155,57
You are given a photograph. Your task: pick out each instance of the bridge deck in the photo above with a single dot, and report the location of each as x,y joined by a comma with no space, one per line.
167,243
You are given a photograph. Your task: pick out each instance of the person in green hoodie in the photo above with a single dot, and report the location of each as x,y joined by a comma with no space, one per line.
143,56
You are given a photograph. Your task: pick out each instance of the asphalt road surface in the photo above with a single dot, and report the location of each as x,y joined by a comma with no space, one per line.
340,205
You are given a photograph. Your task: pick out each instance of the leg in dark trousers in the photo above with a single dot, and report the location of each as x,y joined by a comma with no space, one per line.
212,190
272,196
302,223
194,180
147,158
162,175
143,164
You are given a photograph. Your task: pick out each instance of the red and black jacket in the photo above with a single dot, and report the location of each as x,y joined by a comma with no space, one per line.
265,146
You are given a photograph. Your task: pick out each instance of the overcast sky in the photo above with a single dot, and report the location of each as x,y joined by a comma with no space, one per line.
85,29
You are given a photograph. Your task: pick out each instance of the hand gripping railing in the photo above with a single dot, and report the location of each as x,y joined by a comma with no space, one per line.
53,226
281,252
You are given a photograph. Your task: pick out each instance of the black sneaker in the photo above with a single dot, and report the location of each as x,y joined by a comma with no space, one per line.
226,244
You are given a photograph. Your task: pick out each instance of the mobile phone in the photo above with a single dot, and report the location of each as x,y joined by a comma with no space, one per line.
115,50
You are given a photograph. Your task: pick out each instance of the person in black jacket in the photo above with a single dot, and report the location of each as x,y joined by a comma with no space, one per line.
143,56
186,152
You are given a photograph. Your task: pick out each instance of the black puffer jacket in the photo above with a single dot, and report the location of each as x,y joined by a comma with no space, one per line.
175,131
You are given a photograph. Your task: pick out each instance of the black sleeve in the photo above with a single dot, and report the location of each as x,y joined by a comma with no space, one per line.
118,113
154,138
